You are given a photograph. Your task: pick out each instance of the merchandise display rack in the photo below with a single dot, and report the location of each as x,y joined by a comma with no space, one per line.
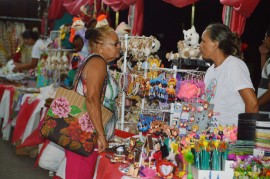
176,68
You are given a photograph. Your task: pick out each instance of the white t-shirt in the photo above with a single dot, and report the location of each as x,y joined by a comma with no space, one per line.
37,49
222,86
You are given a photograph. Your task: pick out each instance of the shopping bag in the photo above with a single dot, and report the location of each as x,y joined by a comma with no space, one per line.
67,122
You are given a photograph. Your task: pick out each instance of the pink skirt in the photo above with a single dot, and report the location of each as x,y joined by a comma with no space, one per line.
80,167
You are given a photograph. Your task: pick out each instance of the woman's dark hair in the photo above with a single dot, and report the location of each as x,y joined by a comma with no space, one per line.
229,42
78,43
97,35
28,34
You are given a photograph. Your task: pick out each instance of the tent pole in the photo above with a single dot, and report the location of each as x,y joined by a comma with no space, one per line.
116,18
228,16
131,17
192,14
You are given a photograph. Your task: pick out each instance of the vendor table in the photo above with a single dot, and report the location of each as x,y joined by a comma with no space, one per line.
6,103
105,169
11,100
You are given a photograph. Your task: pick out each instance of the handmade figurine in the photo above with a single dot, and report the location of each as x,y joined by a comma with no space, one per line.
133,170
165,169
171,89
157,155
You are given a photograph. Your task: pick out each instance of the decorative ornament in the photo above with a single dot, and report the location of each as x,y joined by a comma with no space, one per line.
165,169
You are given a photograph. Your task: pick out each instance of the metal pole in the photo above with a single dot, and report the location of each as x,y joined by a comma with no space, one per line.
124,94
228,16
116,18
192,14
20,18
131,17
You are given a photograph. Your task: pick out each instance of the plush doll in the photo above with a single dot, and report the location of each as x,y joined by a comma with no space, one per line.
171,89
122,29
77,25
191,37
189,47
102,21
172,56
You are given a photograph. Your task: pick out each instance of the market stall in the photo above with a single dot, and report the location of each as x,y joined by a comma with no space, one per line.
165,128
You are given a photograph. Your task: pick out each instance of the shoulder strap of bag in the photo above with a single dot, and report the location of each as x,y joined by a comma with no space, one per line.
80,69
79,73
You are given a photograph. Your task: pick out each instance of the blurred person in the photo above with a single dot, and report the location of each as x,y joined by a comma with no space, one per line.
31,38
264,86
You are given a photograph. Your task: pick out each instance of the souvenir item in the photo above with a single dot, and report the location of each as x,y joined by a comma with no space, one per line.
165,169
171,90
189,47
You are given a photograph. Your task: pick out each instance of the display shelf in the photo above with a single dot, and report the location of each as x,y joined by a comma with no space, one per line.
191,63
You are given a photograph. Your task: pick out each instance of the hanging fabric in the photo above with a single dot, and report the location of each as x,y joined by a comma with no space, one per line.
241,10
181,3
59,7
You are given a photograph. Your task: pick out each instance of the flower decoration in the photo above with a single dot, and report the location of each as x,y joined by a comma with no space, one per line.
49,126
86,124
61,107
251,167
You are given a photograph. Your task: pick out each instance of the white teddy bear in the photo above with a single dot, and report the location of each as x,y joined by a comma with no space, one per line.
189,47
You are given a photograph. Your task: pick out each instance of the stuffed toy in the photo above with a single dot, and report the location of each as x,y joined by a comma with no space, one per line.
191,37
77,25
64,30
189,47
102,21
172,56
122,29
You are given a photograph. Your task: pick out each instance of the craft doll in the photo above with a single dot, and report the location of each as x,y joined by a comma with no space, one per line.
157,155
144,125
183,127
171,89
157,88
152,94
133,170
174,133
163,91
142,89
147,87
194,130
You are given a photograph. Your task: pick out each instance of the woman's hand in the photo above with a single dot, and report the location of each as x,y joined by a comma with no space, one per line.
102,143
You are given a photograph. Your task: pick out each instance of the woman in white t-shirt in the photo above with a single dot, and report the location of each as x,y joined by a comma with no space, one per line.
228,83
31,38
